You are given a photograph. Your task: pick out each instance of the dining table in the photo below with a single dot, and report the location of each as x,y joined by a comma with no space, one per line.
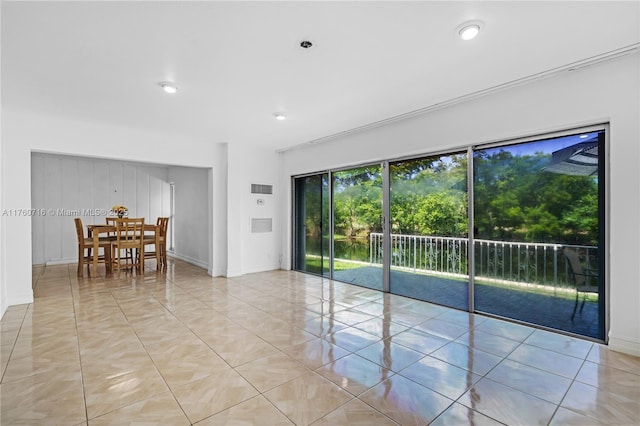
94,231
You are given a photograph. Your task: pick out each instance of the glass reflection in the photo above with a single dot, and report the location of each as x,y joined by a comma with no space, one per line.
538,240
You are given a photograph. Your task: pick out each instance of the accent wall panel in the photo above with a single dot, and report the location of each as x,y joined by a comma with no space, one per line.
102,195
142,192
52,200
67,187
115,185
128,196
69,197
84,189
155,193
37,199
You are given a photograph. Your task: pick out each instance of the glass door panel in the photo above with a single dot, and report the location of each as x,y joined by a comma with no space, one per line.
357,210
429,226
312,224
538,210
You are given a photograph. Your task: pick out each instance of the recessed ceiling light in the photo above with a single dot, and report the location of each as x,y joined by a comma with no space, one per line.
279,116
469,30
168,87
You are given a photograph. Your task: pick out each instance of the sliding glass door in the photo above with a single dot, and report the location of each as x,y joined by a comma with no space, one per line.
538,213
429,227
536,254
312,240
357,212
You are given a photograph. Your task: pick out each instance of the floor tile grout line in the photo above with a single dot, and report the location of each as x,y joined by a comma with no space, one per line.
288,381
289,298
356,398
115,299
82,378
486,374
29,308
354,353
574,381
374,408
15,341
290,419
213,350
260,394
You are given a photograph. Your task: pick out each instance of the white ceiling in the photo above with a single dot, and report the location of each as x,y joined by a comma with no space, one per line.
236,63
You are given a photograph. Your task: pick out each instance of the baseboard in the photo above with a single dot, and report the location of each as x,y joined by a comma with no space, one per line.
218,272
188,259
286,266
61,261
233,273
263,268
625,345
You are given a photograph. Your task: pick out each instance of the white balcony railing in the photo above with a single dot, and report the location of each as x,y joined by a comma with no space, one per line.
534,263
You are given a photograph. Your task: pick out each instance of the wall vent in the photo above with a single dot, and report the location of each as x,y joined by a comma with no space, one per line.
261,225
257,188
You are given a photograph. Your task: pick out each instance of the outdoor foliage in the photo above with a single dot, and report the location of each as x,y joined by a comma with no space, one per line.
316,199
429,196
357,201
515,199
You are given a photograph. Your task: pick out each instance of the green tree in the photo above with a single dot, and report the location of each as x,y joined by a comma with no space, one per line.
428,196
517,200
357,201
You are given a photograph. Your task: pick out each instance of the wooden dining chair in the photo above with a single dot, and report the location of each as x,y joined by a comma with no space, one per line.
111,221
163,222
157,239
85,248
129,236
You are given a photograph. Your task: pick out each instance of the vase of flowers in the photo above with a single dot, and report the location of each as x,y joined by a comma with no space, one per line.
120,211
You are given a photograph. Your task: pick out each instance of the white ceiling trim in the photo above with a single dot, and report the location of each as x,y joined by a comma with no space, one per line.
594,60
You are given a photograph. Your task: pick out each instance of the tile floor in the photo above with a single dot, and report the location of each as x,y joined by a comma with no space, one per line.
283,348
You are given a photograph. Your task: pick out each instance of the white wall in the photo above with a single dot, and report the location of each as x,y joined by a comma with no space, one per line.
65,187
258,251
218,207
24,132
192,216
3,287
608,92
227,173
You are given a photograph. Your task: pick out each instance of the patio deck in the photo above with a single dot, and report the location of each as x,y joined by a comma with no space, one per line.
535,308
